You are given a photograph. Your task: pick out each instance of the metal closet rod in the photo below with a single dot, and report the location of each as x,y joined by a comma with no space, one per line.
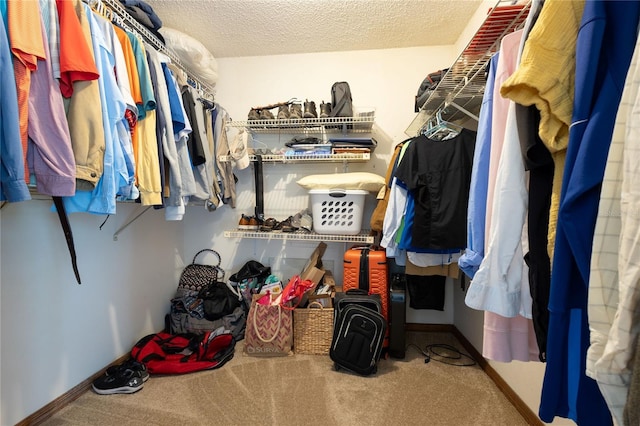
121,16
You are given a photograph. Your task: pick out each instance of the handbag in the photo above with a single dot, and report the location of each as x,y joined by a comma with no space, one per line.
269,330
195,276
219,299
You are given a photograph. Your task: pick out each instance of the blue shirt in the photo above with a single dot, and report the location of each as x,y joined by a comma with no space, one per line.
605,45
472,257
146,87
177,115
13,187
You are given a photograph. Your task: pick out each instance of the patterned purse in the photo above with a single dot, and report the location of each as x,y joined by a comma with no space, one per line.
196,276
269,330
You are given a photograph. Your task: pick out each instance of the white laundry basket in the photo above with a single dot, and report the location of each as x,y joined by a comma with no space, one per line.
337,211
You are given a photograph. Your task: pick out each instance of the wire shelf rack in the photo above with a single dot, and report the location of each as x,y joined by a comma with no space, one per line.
363,237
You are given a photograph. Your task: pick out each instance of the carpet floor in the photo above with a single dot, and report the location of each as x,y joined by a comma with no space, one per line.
306,390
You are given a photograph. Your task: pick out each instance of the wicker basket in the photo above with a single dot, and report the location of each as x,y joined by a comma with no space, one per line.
312,329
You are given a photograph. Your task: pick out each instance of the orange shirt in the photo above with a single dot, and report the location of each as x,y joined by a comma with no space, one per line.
76,58
27,46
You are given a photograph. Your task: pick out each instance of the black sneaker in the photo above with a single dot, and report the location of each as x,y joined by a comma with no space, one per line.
130,364
125,380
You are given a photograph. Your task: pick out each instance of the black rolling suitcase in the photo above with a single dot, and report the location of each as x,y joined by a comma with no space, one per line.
358,333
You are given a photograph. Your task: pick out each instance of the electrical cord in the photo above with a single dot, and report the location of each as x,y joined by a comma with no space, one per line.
445,354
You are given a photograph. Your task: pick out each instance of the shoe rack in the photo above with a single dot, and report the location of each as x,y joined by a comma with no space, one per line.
283,129
459,94
308,126
299,236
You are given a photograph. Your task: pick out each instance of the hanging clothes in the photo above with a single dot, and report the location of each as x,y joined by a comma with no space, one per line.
79,84
438,174
605,44
470,260
613,296
501,283
13,187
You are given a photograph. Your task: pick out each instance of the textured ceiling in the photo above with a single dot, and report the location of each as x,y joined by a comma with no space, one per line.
232,28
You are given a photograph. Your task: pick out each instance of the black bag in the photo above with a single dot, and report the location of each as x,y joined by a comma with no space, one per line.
358,334
251,269
219,299
428,85
342,104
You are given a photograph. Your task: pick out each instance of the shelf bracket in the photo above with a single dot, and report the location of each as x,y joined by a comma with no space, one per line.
129,222
466,111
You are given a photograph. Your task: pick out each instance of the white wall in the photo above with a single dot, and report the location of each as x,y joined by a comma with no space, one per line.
386,80
56,333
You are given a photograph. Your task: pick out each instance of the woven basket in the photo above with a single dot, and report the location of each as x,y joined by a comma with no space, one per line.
312,329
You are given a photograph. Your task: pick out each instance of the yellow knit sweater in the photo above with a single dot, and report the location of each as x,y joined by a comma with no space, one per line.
545,78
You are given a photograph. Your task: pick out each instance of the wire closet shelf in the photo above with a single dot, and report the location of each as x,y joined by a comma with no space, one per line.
459,94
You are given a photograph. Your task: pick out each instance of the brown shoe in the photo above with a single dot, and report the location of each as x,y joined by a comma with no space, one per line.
254,114
248,223
295,111
310,109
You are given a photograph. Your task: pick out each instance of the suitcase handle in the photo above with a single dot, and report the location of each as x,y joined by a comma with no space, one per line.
357,291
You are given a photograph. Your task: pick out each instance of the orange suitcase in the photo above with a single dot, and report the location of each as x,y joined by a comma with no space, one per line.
366,268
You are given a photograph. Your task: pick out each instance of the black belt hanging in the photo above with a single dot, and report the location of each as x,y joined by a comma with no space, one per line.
258,177
64,221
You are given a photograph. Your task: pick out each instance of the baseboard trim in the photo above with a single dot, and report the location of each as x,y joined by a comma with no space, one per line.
526,412
66,398
74,393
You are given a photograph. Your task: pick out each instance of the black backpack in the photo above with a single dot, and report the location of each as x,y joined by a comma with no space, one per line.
341,102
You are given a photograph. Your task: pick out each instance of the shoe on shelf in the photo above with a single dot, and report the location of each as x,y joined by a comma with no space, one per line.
285,225
325,109
139,368
248,223
254,114
310,109
306,222
125,380
295,111
265,114
283,112
268,225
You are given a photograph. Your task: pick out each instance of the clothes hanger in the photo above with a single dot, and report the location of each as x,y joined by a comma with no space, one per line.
440,129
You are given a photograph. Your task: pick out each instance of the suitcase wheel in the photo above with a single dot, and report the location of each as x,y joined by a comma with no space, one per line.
336,366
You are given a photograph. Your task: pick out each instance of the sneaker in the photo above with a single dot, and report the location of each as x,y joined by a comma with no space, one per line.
265,114
254,114
131,364
283,112
125,380
306,222
310,109
325,109
295,111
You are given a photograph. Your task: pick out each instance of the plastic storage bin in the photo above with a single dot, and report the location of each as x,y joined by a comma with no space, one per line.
337,211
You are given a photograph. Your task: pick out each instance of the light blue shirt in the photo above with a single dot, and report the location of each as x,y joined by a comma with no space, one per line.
146,87
472,257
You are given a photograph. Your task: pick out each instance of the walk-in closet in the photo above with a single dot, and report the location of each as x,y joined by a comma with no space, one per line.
464,168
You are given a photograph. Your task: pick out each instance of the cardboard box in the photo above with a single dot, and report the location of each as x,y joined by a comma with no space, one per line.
326,300
313,270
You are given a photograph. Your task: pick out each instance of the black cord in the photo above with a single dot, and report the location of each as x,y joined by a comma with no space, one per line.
445,354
